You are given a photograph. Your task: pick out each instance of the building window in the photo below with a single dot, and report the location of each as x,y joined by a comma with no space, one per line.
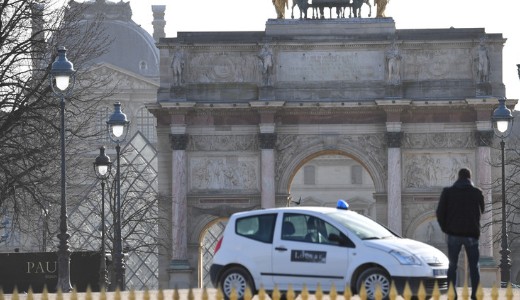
146,124
356,175
143,66
309,175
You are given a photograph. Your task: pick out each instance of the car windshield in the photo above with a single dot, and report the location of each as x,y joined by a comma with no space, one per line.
363,227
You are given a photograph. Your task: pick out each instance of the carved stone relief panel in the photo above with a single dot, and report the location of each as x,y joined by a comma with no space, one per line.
116,79
456,140
372,147
223,173
223,143
438,64
428,169
223,67
330,66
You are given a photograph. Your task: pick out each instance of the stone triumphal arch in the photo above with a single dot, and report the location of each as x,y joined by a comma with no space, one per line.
238,113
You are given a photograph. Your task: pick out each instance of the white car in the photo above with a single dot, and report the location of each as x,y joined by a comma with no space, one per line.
331,246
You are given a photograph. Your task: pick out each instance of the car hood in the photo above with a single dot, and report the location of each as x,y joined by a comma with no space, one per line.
429,254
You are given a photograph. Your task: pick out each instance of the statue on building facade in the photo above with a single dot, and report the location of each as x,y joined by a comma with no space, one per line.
482,63
280,6
393,62
381,6
266,57
177,67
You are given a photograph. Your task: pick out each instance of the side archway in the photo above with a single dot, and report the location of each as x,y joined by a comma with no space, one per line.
209,235
425,228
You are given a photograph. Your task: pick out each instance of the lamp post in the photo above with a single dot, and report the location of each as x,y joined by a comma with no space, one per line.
62,82
117,127
502,125
102,166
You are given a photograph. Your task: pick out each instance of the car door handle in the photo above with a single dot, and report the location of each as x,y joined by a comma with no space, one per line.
280,249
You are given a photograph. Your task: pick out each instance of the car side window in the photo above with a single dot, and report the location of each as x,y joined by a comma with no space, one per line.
310,229
258,228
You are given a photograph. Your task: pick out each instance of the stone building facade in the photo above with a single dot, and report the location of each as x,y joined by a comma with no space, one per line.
239,114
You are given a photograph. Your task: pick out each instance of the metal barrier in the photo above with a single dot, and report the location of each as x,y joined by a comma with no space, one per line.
494,294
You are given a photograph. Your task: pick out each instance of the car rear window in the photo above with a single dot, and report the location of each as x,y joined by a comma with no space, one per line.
258,227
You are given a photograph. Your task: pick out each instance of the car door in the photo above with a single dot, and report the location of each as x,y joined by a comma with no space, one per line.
252,246
306,251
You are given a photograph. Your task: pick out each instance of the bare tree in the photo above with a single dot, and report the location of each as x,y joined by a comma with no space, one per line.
512,165
512,187
30,31
140,218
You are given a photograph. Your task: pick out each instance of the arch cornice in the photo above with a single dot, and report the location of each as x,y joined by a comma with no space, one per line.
293,151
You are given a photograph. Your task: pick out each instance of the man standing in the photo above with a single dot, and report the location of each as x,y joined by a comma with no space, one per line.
458,213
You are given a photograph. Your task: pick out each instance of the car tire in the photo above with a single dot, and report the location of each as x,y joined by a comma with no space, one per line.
238,278
371,278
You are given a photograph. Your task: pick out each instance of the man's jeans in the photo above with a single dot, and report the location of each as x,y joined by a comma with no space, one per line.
471,246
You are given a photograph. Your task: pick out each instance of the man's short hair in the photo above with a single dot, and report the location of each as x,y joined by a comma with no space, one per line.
464,173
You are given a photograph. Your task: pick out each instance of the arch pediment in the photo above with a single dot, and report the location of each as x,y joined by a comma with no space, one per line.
120,78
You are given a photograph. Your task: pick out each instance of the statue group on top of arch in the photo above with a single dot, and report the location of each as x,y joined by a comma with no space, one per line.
339,6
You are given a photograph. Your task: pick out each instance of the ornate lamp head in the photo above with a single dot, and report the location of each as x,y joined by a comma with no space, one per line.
102,165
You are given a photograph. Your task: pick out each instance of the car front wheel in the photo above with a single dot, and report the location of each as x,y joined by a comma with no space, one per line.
372,278
237,278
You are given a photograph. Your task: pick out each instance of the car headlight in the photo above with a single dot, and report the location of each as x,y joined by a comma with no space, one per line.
405,258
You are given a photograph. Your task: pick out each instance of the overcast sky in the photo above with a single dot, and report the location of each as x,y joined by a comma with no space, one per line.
496,16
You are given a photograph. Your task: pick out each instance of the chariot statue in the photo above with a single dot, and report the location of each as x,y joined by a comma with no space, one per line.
338,6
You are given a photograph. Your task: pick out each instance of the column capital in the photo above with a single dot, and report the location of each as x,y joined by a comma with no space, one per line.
484,138
179,141
393,139
393,108
267,140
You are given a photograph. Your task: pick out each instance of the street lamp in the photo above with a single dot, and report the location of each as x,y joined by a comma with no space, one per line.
117,127
502,125
62,82
102,167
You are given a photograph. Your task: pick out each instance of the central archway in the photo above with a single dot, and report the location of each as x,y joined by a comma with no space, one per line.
327,176
369,152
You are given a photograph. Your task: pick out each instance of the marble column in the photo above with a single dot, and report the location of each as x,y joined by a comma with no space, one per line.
267,142
483,180
394,181
489,271
180,270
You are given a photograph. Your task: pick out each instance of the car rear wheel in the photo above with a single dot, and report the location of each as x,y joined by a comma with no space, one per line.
372,278
237,278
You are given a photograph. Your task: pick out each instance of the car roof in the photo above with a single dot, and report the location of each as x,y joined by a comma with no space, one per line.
299,209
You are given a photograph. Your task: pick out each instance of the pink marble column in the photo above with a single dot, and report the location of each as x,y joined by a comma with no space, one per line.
268,187
180,269
393,109
483,180
394,190
267,142
179,206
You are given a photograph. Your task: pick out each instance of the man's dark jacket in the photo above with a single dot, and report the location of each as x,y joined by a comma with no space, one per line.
459,210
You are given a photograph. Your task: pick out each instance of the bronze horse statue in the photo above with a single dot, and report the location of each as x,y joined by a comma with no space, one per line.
303,6
339,5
